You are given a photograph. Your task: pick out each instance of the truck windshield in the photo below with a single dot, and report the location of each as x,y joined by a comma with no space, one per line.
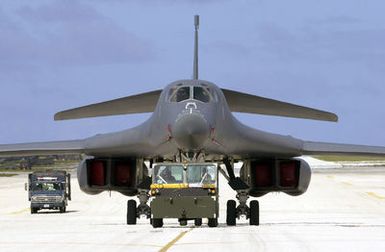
168,174
47,186
201,174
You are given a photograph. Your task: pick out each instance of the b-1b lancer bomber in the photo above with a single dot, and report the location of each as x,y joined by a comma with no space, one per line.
171,161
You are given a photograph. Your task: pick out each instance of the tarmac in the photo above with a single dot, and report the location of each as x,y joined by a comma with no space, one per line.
342,210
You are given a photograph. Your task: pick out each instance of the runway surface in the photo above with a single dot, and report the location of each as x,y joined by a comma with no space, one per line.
341,211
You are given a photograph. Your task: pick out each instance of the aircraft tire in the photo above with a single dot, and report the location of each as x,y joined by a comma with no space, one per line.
157,223
231,213
213,222
131,212
198,222
254,213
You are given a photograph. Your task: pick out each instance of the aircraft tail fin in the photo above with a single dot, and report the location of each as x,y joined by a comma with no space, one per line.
246,103
195,70
140,103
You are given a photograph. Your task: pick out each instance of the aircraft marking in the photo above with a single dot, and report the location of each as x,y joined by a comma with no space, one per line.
171,243
188,107
375,195
20,211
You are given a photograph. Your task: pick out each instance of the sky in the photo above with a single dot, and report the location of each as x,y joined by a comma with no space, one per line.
60,54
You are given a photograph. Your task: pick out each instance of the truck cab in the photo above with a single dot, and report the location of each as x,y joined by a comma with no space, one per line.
49,190
186,191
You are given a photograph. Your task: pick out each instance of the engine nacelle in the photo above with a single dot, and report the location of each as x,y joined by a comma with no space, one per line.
291,176
123,175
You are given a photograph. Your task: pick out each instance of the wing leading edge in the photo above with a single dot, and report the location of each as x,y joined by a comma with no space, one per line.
246,103
321,148
140,103
42,148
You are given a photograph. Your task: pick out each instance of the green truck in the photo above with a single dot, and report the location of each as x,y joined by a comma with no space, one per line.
185,192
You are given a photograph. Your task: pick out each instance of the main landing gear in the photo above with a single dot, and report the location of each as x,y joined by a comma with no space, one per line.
134,212
233,211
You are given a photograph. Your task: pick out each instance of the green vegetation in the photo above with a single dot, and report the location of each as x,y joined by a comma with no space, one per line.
352,158
7,174
38,163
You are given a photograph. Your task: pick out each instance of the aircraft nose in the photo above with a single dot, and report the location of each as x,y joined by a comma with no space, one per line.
191,132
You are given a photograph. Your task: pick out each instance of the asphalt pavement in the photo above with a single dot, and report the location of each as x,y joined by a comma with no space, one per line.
341,211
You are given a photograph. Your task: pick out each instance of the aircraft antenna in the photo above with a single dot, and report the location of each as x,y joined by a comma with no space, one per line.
196,23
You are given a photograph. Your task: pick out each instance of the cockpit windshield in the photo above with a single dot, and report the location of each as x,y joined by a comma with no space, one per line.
201,94
179,94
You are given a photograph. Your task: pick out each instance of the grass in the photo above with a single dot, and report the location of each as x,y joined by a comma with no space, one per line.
352,158
58,165
7,174
13,170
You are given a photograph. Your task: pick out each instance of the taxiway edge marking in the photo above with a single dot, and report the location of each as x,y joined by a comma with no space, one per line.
19,212
171,243
375,195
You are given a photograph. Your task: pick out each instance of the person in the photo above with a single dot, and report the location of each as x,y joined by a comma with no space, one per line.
206,177
56,187
167,176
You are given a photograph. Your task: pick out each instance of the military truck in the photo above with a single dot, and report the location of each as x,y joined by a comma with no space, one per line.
49,190
184,191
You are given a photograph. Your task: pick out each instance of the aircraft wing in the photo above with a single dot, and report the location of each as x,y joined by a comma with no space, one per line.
321,148
140,103
246,103
248,142
42,148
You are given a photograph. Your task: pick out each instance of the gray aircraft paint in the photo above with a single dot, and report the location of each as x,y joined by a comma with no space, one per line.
192,126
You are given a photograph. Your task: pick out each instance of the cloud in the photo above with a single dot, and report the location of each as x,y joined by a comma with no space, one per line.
66,33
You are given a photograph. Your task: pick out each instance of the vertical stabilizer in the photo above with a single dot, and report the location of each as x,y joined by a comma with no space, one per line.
196,23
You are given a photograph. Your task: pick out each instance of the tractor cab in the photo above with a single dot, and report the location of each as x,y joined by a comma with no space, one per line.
186,191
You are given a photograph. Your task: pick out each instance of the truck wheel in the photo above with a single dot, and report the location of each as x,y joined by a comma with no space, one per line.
33,210
131,212
198,222
213,222
231,213
183,222
254,213
63,209
157,223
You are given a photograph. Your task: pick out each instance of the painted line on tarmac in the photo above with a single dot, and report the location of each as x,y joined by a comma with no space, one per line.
171,243
375,195
20,211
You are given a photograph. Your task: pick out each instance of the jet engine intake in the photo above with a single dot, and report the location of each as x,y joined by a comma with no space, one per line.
96,175
291,176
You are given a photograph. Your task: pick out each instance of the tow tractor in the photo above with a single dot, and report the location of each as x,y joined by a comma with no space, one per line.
185,192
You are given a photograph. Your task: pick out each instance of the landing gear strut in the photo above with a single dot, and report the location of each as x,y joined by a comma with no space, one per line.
134,212
251,213
242,189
